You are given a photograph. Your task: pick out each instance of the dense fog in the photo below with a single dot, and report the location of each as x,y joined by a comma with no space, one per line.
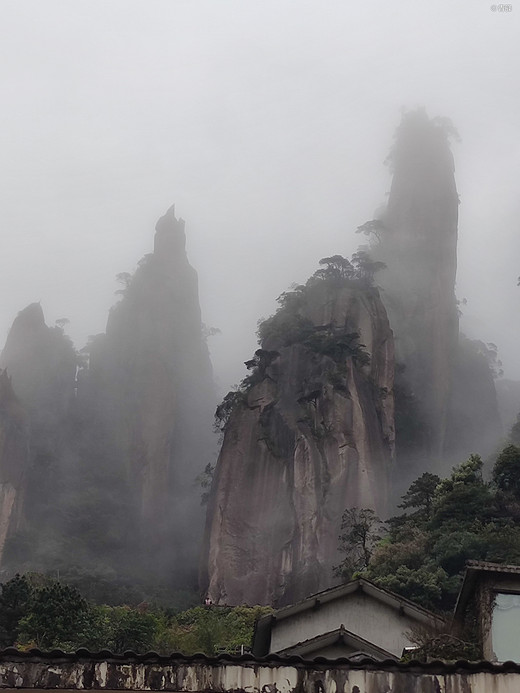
267,125
256,139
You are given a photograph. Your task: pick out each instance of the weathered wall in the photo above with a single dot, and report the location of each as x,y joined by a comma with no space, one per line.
195,674
312,438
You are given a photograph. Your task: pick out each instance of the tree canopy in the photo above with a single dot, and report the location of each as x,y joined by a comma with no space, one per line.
37,611
445,523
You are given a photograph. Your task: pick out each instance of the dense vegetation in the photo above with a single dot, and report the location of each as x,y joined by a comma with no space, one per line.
445,523
36,611
288,326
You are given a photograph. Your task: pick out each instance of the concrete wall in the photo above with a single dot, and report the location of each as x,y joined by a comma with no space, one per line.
361,614
196,674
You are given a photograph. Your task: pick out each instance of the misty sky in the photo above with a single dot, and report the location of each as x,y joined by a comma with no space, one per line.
267,124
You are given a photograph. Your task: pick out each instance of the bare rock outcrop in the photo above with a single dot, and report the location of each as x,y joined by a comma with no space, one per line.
310,434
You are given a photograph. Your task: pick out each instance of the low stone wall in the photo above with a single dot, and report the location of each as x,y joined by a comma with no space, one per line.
226,674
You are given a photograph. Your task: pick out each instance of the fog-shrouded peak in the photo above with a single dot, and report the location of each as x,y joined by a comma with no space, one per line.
170,238
29,318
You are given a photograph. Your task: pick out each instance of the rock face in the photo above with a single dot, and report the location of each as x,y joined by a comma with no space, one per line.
310,435
149,391
14,439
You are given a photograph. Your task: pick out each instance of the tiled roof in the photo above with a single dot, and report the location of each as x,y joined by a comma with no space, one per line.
340,635
11,654
487,566
473,570
361,584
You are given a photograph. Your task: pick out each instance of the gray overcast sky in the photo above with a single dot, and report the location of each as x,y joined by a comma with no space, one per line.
266,123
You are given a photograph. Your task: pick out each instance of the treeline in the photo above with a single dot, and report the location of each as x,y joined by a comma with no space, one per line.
36,611
422,552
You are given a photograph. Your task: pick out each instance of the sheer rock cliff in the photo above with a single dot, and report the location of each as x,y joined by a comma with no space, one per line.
310,435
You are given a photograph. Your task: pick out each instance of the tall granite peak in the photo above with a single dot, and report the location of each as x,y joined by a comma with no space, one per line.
417,240
14,456
114,436
170,237
309,434
150,391
41,363
30,318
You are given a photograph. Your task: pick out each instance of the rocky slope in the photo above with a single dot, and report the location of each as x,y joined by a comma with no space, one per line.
310,434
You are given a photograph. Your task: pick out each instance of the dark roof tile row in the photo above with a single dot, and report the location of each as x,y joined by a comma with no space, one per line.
436,666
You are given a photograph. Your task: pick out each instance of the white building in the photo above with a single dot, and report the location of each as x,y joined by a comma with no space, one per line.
358,619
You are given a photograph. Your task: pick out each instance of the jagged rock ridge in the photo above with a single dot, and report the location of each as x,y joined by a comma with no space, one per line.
311,434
